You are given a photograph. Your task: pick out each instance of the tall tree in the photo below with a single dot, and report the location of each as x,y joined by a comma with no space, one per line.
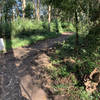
38,10
23,7
34,10
75,8
17,10
49,6
70,7
49,16
1,8
28,10
7,9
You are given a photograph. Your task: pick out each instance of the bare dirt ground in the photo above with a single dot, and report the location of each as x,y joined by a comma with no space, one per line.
23,72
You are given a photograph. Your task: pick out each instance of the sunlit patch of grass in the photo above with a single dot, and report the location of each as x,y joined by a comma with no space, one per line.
24,41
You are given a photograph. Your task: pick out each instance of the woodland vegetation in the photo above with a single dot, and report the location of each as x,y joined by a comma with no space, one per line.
25,22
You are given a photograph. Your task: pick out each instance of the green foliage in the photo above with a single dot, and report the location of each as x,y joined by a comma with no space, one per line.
6,7
24,41
94,10
25,27
1,31
61,72
84,95
5,28
22,27
24,32
94,37
68,27
28,10
87,58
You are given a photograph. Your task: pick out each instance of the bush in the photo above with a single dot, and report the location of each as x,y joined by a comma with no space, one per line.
68,27
20,27
26,27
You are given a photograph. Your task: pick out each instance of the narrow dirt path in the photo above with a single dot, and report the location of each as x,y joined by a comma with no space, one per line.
23,74
43,45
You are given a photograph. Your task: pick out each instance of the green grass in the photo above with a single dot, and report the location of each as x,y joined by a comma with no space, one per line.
23,32
24,41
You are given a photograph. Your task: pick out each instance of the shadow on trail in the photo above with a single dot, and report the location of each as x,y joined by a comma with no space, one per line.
10,81
24,75
32,71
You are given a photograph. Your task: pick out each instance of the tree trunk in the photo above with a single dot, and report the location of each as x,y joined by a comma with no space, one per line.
77,35
38,10
13,15
34,10
17,10
56,20
23,7
49,17
76,26
0,13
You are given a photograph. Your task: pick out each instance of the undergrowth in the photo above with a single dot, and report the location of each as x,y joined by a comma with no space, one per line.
72,67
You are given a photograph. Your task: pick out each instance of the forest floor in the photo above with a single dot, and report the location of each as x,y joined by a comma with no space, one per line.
28,69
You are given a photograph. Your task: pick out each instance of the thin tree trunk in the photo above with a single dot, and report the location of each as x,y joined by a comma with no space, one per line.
0,13
49,17
23,7
56,20
76,26
17,10
13,15
34,10
38,10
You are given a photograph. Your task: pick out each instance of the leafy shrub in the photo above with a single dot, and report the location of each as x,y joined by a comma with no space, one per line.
21,27
68,27
25,27
28,10
94,36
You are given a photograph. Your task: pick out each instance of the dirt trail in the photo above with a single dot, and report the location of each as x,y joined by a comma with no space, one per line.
42,45
24,73
50,42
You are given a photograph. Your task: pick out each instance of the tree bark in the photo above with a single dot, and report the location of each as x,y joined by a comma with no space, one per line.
17,10
76,26
23,7
49,17
38,10
13,15
34,11
77,35
0,13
